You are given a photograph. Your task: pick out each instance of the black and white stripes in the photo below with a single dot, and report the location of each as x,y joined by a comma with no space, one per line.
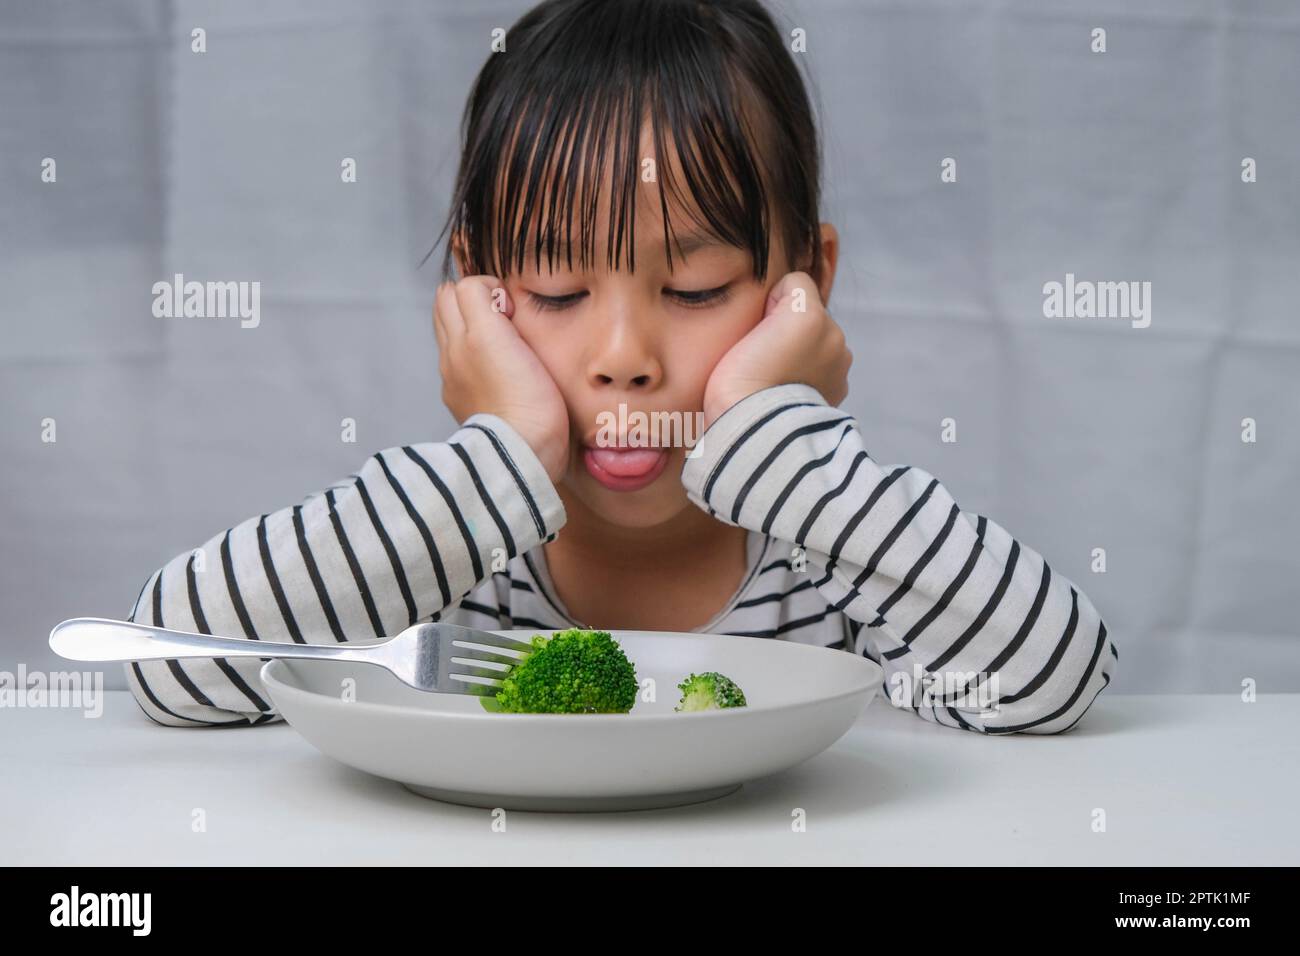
938,592
402,540
879,561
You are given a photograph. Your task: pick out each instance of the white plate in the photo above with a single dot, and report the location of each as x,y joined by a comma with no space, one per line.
446,746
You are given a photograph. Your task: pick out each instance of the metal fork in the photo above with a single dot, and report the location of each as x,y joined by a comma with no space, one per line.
439,658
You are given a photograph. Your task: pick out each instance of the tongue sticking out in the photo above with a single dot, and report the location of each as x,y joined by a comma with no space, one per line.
626,463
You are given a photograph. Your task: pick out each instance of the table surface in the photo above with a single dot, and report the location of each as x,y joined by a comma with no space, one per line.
1180,779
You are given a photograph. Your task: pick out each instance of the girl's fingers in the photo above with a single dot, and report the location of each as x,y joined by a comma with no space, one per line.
453,323
480,297
439,332
784,289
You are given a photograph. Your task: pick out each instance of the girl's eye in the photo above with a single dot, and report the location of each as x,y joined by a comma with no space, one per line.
554,302
689,299
705,297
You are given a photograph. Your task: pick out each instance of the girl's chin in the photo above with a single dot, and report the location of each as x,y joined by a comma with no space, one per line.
637,518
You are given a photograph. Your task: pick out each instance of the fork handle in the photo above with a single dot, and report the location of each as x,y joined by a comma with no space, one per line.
102,639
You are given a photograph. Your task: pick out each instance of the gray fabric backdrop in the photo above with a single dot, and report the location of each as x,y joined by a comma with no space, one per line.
1074,433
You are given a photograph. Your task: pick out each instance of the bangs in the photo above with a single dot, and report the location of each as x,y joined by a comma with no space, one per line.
560,120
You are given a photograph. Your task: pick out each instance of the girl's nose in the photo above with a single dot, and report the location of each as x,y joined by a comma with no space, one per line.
625,358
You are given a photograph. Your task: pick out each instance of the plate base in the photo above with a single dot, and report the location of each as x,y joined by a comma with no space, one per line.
652,801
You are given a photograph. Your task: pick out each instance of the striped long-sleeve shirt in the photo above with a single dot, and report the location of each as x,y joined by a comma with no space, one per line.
972,629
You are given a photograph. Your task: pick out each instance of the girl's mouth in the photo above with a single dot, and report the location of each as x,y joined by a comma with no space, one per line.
624,469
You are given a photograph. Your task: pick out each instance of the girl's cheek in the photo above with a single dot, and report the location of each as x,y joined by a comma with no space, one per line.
694,355
702,351
558,350
743,314
554,350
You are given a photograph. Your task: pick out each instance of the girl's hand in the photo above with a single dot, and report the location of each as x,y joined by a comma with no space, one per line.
487,367
786,346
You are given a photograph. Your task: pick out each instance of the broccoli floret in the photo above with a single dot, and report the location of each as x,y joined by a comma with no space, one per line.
709,691
571,672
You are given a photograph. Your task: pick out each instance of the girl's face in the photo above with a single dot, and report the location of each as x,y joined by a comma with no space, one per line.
647,340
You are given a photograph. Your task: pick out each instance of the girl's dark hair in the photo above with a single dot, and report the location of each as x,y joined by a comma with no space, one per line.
575,84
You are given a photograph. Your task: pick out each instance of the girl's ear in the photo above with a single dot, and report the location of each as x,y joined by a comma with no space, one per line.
830,256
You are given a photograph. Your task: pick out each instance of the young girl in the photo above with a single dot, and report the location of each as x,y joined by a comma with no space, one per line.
636,218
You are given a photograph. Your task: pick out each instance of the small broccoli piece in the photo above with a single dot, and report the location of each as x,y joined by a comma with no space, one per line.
709,691
570,672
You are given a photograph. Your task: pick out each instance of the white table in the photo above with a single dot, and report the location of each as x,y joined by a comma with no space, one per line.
1183,779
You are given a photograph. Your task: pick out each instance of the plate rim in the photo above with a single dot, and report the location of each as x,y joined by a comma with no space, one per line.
869,686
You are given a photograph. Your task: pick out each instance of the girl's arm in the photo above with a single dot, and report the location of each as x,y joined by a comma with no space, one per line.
973,629
413,532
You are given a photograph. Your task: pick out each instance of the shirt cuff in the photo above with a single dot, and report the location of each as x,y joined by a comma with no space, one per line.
732,429
516,480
